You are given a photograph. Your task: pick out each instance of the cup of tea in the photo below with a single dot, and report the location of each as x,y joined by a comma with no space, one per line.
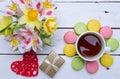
91,46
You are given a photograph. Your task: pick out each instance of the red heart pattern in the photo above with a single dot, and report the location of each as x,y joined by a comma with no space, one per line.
28,66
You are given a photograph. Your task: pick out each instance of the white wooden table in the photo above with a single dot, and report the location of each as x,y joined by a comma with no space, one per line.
70,12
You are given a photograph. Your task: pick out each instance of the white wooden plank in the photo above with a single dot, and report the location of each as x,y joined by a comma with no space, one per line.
65,72
70,13
76,0
57,41
86,0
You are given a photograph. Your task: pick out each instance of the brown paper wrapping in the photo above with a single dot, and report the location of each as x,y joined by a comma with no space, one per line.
52,64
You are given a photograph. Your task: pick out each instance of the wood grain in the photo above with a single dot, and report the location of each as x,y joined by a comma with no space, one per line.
65,72
57,42
86,1
68,13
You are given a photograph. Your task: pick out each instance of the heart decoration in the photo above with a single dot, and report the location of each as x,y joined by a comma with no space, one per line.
28,66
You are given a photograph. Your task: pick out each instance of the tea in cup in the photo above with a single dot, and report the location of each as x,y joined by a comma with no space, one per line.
90,46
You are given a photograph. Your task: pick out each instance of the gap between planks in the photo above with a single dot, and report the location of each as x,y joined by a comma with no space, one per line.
87,1
107,68
117,28
58,54
73,27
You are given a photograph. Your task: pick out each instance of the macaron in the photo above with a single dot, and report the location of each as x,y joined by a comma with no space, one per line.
112,43
106,60
106,32
69,50
92,66
93,25
70,37
77,63
79,28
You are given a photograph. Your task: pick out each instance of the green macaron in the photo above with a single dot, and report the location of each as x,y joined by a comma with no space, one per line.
77,63
112,43
79,28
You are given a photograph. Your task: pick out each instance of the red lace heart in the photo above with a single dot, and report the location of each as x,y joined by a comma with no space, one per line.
28,66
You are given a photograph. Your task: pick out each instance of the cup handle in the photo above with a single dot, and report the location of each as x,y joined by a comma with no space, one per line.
107,49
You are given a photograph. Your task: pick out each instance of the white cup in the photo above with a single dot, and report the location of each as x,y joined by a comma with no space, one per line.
102,51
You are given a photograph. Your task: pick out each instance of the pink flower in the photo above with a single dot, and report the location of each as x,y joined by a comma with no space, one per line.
28,39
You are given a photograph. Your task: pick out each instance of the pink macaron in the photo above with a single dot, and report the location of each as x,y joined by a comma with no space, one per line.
92,66
70,37
106,32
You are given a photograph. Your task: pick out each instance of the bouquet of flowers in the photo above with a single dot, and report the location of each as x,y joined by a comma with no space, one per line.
29,24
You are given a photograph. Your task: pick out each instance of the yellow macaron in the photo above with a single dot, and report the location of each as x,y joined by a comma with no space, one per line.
69,50
106,60
93,25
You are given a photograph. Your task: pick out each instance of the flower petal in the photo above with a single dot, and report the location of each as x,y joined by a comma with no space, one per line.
47,5
23,8
14,42
22,1
22,20
13,6
5,21
31,25
22,48
38,24
9,13
50,25
39,44
34,48
49,13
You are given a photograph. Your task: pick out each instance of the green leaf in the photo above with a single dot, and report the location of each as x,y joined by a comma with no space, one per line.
8,32
42,34
16,16
5,22
43,20
55,8
16,49
48,41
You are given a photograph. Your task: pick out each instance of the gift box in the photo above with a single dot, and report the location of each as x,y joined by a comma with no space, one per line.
52,64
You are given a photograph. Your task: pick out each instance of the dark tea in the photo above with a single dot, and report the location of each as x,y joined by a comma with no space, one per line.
89,45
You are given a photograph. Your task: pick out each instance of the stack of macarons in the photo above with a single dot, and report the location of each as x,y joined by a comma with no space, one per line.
70,38
91,66
70,50
105,31
93,25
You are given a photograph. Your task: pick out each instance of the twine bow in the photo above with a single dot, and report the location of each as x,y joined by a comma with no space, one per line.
51,64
